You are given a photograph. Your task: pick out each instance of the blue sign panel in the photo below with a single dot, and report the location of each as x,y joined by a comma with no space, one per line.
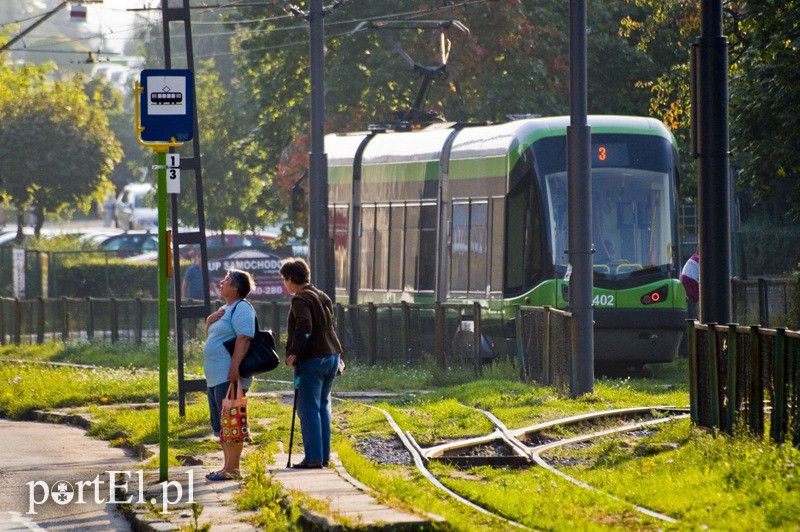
167,105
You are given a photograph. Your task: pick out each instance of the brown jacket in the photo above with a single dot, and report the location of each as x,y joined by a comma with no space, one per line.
310,325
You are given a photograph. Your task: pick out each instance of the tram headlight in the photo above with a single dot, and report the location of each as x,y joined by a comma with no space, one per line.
655,296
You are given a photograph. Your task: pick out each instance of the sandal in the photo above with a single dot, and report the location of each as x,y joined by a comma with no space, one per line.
308,465
222,475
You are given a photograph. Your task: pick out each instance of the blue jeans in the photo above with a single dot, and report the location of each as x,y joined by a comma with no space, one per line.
314,405
215,396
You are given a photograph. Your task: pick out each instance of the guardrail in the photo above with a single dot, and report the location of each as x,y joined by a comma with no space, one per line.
745,379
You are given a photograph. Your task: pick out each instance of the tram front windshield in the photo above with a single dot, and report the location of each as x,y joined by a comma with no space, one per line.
631,212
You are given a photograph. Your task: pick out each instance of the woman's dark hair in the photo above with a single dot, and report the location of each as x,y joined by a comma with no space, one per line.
296,270
242,281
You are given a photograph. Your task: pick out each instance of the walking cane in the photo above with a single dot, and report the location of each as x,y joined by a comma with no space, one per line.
294,410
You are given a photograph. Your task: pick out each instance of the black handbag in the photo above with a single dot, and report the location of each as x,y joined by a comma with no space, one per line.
261,357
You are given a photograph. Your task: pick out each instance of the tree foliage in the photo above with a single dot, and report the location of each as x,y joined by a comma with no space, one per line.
765,89
57,148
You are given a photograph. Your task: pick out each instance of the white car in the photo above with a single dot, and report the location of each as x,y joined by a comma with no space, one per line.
136,207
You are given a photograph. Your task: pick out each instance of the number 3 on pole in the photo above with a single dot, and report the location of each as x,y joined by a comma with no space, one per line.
173,173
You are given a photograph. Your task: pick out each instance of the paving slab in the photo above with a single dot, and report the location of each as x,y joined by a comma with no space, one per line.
347,502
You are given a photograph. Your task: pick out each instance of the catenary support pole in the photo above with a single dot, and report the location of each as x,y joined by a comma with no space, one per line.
713,177
320,259
579,191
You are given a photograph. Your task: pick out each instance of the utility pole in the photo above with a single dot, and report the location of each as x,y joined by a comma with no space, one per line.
710,147
320,253
579,199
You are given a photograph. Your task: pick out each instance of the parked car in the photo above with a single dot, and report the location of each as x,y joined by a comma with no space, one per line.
131,243
136,207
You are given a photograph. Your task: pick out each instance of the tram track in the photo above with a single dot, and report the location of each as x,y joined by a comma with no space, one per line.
531,455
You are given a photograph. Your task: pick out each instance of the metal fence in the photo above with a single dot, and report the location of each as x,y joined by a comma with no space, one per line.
444,335
745,379
767,302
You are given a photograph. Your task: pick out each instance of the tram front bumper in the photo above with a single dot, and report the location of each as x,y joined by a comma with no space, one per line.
637,336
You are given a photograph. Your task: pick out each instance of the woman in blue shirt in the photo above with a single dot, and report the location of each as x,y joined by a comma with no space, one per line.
233,320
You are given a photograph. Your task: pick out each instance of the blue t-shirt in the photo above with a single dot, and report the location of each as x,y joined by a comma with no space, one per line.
216,359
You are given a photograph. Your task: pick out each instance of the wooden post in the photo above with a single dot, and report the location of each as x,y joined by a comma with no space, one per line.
64,319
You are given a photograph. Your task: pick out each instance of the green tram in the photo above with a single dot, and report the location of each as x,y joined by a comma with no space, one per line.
458,213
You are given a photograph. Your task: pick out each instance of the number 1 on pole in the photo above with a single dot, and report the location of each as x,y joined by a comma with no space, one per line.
173,173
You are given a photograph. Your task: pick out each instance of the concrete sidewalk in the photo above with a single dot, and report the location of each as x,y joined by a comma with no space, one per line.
340,501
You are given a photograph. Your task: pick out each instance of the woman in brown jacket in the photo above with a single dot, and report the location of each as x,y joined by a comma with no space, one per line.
313,350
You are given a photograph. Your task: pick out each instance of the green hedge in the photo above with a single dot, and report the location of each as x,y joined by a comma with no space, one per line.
81,276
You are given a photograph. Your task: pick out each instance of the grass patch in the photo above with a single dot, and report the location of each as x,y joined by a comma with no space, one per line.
701,479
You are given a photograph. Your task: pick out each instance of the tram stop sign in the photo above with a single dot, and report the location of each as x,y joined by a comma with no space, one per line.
167,105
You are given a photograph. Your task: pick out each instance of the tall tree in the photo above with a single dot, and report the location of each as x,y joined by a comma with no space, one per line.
58,149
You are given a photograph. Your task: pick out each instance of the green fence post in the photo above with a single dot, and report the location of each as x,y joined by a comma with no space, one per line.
778,423
713,374
731,391
476,338
17,321
691,332
40,320
139,321
547,347
372,334
756,385
438,326
518,331
405,330
89,318
64,319
114,321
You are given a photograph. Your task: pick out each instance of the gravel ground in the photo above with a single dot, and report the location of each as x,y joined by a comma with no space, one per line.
385,451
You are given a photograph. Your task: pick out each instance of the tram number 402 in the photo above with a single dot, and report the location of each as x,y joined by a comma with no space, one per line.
604,300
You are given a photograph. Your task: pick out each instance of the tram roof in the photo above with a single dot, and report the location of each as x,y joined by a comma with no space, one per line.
477,141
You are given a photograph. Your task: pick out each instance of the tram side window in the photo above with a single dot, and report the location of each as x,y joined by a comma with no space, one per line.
367,245
411,255
396,247
339,229
459,248
426,277
381,248
524,248
478,246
